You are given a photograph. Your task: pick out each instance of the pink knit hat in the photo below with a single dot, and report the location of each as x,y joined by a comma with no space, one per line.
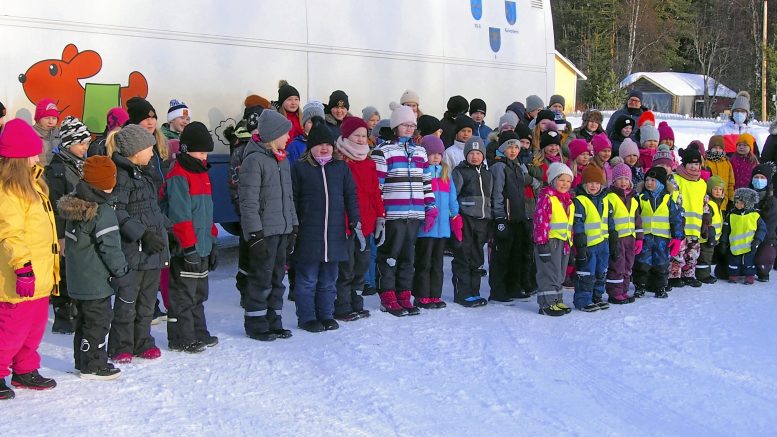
19,140
665,132
576,148
663,156
116,117
628,147
621,171
46,108
432,144
601,142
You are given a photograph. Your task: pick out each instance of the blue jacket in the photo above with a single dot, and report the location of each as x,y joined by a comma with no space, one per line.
578,225
675,212
447,205
296,148
481,130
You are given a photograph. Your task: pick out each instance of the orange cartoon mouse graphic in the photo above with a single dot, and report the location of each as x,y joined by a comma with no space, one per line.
60,79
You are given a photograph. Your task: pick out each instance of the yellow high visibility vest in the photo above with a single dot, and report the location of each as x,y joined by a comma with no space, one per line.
717,221
693,193
656,222
743,227
623,217
560,222
596,227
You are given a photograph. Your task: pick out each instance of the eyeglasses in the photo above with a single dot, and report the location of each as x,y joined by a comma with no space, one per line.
409,125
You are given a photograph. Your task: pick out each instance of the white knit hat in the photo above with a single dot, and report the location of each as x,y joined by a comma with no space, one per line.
557,169
177,109
402,114
409,96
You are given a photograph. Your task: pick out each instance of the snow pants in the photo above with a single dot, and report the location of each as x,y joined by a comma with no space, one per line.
264,287
684,264
510,267
315,291
188,293
589,281
741,265
428,277
764,259
706,260
551,272
350,277
64,307
21,330
133,309
396,257
93,323
468,258
651,269
620,268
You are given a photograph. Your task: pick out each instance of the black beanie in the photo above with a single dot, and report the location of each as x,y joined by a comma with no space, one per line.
196,138
457,105
428,124
690,155
464,121
523,131
766,169
285,91
477,105
139,109
319,133
550,137
623,121
657,173
545,114
251,116
507,135
2,110
338,98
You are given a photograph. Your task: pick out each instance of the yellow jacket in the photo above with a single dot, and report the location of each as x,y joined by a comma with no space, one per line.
27,234
725,171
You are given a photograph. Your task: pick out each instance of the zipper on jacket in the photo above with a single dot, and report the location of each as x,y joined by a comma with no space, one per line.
482,194
409,178
326,215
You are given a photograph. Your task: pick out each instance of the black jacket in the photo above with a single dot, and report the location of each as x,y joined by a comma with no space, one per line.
473,188
62,174
508,200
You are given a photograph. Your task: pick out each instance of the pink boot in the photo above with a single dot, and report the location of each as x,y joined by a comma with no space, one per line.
151,353
389,304
122,358
403,298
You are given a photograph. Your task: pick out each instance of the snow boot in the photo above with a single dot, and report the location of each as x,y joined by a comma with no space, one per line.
425,303
363,314
591,307
709,280
564,307
508,301
403,299
439,303
313,326
64,319
661,293
369,290
150,353
522,295
553,311
32,380
615,301
347,317
473,302
389,304
733,279
193,348
749,280
676,282
639,291
330,324
106,373
5,391
210,340
693,282
597,300
122,358
762,278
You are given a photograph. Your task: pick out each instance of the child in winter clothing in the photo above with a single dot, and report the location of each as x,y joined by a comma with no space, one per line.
591,227
549,153
477,111
269,222
353,148
324,195
743,231
552,237
693,199
46,119
699,146
96,263
62,174
743,161
188,203
665,135
178,116
406,184
663,233
144,115
336,111
739,122
114,120
288,106
579,158
710,235
718,164
430,245
473,181
623,129
455,153
629,153
457,105
626,235
298,145
511,272
29,258
763,176
144,240
648,137
602,153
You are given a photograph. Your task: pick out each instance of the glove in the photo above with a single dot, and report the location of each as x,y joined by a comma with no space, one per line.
380,231
25,281
501,233
292,239
674,247
213,258
638,247
457,227
126,280
151,242
191,260
754,245
431,216
543,250
704,233
357,229
581,258
257,247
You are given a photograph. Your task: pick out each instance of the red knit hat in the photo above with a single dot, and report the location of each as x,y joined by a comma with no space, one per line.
19,140
46,108
646,116
601,142
350,124
576,148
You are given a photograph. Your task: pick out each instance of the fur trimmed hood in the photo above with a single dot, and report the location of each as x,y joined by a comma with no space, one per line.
74,209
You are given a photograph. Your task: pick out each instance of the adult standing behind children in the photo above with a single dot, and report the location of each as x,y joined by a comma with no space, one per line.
739,123
632,108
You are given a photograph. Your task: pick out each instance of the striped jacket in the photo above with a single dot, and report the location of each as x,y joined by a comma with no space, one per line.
405,179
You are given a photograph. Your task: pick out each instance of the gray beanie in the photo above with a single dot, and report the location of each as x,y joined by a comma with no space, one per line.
648,132
132,138
313,108
272,125
555,98
742,101
557,169
474,144
509,118
533,103
368,112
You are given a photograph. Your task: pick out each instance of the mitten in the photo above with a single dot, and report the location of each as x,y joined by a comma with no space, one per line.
674,247
191,260
431,216
151,242
457,227
356,228
638,247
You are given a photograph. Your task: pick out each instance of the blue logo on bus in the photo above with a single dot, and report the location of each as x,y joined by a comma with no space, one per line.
494,38
510,12
476,6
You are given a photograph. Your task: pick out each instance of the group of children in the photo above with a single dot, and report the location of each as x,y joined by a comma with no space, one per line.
342,202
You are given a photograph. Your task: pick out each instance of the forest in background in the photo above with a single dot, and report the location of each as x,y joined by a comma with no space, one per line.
610,39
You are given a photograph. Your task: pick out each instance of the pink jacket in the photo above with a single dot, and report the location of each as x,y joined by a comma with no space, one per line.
543,212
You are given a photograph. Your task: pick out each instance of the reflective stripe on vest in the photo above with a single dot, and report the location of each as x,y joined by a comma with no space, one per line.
693,193
596,228
656,222
743,229
624,218
560,222
717,221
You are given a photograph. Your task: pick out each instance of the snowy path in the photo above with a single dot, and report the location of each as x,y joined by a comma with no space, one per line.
699,363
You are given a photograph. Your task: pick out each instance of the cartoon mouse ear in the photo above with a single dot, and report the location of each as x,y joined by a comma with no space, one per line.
86,64
69,52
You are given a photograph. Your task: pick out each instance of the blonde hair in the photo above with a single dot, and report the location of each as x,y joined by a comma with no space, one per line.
19,181
110,142
444,176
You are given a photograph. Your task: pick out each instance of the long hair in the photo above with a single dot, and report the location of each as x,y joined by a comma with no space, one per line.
110,142
161,145
16,179
444,175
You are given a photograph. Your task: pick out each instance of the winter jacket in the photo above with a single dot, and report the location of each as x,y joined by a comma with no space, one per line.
759,234
233,174
27,234
448,126
541,233
578,226
93,247
62,175
51,141
584,134
454,154
333,124
634,113
188,202
508,198
675,211
265,192
769,152
473,185
743,170
445,197
723,169
481,130
296,148
405,179
169,133
157,168
138,211
637,177
365,176
323,195
98,146
731,131
296,127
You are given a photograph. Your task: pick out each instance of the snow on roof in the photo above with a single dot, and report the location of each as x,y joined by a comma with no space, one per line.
680,84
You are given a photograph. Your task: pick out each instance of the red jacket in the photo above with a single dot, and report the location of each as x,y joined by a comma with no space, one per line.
296,127
365,176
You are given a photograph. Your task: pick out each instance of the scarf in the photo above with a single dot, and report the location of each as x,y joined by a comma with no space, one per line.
280,155
552,159
659,189
692,176
192,164
715,156
72,159
323,160
356,152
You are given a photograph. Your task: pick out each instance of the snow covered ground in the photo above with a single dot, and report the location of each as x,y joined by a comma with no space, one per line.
702,362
